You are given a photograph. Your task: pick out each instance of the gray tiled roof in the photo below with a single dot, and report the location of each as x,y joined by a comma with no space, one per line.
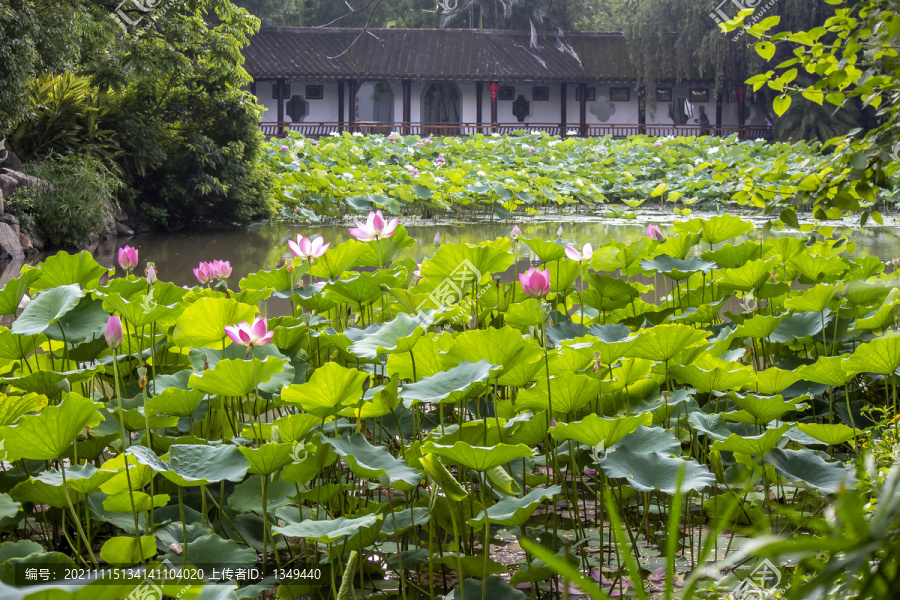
444,54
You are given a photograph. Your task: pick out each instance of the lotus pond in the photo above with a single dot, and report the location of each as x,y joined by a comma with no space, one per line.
676,414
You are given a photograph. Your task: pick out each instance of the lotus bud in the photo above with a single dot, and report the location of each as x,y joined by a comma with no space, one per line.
150,272
437,239
176,548
515,233
276,435
113,332
104,279
559,232
24,301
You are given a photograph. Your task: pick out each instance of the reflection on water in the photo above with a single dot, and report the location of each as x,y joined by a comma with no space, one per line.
264,246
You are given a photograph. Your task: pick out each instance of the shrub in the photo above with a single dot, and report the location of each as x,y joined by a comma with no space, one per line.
71,206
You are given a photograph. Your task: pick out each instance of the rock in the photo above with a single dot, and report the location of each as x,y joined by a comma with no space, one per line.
24,180
10,249
124,230
7,185
26,244
12,161
10,220
2,204
36,241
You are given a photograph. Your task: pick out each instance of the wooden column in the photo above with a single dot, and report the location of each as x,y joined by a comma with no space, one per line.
719,113
479,92
340,106
563,121
280,83
407,106
582,111
642,110
742,116
494,111
351,105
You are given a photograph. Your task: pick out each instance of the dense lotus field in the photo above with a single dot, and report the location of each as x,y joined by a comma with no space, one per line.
521,174
620,420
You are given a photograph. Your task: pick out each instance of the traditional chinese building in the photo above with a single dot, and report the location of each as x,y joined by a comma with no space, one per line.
461,81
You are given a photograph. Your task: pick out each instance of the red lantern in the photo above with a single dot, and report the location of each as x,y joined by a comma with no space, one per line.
494,88
740,93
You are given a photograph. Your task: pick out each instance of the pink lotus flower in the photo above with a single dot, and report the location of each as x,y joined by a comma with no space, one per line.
285,149
221,269
420,144
559,231
535,283
440,160
412,170
104,279
532,149
113,332
427,140
375,228
657,143
314,143
128,258
654,233
150,273
392,138
307,249
583,256
515,233
418,271
205,273
248,335
437,239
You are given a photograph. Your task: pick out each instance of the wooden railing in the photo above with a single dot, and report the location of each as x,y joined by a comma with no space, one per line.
314,130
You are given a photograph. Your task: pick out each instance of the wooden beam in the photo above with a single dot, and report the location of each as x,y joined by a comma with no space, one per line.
351,105
493,111
718,112
340,106
642,110
563,121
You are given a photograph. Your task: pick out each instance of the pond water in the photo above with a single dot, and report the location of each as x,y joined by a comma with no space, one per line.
264,246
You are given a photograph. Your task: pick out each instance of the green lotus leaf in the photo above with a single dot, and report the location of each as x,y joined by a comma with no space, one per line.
650,471
563,274
883,317
676,268
328,531
124,502
47,435
479,458
330,388
16,347
818,268
827,370
142,309
55,560
400,521
800,326
566,394
48,382
427,355
679,246
863,293
83,323
515,512
447,386
829,433
607,293
8,507
807,467
47,487
15,289
374,462
546,252
399,335
717,229
338,259
14,407
361,290
881,355
210,549
664,342
64,269
760,326
236,377
46,308
493,588
761,409
507,347
127,551
748,277
268,458
627,258
280,280
296,428
202,324
649,439
758,445
201,465
528,313
439,473
387,249
501,481
594,430
733,256
817,298
715,379
174,401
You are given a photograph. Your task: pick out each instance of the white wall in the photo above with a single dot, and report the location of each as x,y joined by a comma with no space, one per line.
320,111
